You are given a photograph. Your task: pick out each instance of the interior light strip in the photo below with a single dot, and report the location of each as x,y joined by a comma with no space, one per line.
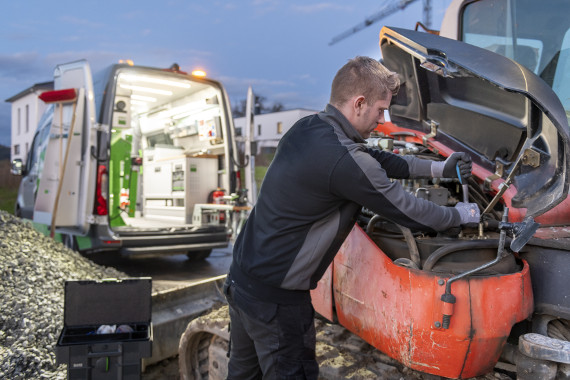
138,102
137,78
143,98
146,89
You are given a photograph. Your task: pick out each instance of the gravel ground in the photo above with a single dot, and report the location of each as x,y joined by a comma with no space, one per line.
33,270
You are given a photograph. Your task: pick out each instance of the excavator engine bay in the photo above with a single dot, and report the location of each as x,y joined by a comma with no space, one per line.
465,248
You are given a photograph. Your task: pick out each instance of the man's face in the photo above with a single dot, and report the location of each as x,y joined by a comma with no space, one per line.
368,116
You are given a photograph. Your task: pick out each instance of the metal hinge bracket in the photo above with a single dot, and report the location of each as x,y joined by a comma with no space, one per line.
433,131
96,219
101,127
531,158
499,171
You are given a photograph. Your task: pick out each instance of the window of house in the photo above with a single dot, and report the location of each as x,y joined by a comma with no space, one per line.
27,149
259,129
279,127
16,149
19,120
27,118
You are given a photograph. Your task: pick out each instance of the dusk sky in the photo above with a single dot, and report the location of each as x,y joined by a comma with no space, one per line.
280,48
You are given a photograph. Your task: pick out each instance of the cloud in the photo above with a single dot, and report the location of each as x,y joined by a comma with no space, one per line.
19,65
71,39
97,59
262,7
81,22
197,8
256,3
253,81
237,86
306,78
5,126
319,7
289,93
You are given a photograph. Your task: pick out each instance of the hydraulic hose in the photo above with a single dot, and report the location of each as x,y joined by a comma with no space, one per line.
559,329
456,247
408,237
449,299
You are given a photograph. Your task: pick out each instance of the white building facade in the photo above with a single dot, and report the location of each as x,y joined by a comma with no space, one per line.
27,110
270,127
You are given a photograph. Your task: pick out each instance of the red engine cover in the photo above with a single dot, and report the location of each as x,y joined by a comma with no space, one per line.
395,309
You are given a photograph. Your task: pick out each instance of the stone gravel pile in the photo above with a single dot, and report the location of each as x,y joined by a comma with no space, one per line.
33,270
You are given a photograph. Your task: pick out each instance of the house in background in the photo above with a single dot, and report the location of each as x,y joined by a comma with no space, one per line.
27,110
270,127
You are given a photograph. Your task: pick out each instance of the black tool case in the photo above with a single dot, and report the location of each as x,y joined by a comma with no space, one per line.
91,304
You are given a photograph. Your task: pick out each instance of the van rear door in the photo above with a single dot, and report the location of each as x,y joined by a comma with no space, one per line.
67,182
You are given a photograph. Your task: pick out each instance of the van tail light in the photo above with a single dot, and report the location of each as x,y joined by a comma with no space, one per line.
102,192
238,179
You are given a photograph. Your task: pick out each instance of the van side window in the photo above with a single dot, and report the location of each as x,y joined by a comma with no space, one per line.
37,152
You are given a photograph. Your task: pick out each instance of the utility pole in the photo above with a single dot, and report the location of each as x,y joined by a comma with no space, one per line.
249,152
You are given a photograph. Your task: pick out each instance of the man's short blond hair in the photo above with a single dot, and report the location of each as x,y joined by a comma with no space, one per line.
363,76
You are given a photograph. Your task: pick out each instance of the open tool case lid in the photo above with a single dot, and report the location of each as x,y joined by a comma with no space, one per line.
107,302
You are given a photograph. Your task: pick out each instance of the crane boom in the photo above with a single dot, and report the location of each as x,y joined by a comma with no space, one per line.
384,12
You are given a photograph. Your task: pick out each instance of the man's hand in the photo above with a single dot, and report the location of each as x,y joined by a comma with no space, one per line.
469,213
461,160
449,167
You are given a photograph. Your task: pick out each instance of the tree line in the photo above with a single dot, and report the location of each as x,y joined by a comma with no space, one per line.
261,106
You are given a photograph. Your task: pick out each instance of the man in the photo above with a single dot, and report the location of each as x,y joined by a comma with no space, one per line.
321,176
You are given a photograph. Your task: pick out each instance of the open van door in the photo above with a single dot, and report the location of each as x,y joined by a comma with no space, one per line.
67,182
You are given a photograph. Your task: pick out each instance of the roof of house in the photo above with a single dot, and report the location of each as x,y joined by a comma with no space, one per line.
34,88
272,114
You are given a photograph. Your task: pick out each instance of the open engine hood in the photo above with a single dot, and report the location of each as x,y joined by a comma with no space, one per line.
480,102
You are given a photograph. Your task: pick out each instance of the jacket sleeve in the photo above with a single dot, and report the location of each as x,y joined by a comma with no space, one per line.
402,166
362,178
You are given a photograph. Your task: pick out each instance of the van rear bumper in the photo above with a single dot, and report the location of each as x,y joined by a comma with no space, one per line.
171,249
175,242
162,241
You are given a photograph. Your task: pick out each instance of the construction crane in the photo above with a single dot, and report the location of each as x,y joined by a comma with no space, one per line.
386,11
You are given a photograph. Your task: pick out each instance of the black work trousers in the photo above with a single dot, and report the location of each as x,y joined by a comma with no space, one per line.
270,340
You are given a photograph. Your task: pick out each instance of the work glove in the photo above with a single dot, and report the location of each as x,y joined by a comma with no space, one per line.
456,163
469,213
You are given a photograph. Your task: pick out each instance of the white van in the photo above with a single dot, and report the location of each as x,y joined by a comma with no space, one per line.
120,159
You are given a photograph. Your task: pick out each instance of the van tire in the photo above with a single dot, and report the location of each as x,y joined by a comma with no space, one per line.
198,255
69,241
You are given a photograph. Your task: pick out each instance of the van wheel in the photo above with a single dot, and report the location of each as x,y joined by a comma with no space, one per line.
69,241
198,255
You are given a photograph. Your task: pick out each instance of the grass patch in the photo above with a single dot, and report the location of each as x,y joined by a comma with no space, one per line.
262,162
259,175
8,199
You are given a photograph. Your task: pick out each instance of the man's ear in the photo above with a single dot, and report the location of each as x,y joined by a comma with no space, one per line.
358,104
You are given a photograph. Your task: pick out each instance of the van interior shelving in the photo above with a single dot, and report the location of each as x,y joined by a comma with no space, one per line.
166,141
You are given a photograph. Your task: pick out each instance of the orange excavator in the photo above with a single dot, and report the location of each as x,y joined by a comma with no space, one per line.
454,304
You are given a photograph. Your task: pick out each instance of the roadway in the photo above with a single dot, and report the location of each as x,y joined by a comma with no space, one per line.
169,271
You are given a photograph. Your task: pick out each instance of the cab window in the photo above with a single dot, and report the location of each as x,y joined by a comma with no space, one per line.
534,33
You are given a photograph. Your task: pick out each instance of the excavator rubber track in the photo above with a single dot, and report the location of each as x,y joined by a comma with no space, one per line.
341,354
